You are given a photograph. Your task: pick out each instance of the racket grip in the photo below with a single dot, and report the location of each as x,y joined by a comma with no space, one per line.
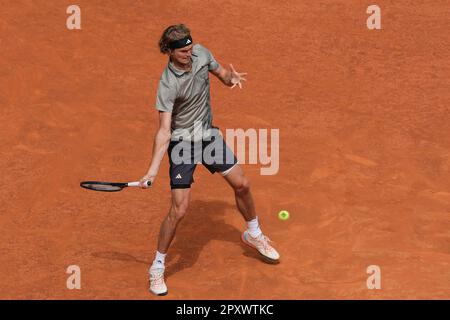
136,184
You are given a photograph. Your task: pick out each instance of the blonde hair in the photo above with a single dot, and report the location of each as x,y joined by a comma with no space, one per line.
172,33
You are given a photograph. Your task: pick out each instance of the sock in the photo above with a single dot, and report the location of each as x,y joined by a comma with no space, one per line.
253,228
160,258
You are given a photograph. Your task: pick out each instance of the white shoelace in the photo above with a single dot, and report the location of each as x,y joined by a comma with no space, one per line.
265,241
157,277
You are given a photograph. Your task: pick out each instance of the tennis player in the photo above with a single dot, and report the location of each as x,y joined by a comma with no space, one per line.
186,131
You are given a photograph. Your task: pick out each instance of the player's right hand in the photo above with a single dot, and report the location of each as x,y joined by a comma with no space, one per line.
144,179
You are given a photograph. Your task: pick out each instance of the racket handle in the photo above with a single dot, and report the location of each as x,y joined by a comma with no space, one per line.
136,184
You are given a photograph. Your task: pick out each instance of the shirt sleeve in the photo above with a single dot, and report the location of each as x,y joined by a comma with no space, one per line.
165,97
213,64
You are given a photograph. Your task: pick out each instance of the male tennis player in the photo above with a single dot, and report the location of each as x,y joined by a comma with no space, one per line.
185,123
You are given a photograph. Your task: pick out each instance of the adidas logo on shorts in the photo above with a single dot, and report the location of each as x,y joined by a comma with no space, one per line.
178,176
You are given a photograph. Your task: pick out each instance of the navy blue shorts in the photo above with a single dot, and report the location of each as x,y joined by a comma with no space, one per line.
184,156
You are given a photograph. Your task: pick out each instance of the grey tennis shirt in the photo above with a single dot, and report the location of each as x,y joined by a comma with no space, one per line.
186,95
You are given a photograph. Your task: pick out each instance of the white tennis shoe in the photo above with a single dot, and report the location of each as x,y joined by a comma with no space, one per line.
157,284
262,244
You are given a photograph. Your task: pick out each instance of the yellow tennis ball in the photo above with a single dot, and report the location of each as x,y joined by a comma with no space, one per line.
283,215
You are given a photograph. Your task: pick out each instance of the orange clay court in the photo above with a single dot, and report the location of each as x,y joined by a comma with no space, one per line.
364,150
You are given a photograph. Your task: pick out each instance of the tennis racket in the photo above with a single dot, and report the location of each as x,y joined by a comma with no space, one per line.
110,186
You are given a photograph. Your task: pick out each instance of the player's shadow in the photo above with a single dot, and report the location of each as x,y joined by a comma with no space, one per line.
113,255
203,222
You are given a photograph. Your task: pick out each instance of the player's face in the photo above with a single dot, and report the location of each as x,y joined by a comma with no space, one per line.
182,55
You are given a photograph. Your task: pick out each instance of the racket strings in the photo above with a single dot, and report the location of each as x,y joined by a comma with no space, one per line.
101,187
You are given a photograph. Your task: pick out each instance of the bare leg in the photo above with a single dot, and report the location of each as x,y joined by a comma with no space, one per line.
241,186
180,202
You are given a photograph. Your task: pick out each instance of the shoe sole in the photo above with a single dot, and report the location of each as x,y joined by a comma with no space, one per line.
159,294
265,258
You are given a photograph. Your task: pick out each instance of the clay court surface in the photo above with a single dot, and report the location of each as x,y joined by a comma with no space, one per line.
364,150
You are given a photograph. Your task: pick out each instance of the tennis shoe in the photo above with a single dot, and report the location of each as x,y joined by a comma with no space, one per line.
262,244
157,284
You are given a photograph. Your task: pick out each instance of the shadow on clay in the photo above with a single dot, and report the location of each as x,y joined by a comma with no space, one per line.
203,223
111,255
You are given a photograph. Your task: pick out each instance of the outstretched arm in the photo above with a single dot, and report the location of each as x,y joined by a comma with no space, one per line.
160,145
230,77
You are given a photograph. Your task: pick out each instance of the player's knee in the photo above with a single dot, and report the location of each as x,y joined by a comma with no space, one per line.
243,186
178,211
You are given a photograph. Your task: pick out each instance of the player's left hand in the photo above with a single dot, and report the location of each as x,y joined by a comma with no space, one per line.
237,77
